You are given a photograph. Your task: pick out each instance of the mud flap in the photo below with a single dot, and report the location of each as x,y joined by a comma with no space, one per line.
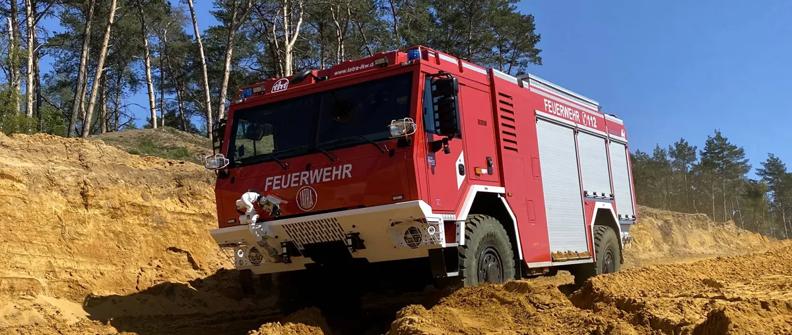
444,262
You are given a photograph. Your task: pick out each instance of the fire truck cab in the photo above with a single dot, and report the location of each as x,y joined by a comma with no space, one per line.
417,154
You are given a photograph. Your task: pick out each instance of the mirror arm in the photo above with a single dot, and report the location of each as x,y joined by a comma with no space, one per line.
441,144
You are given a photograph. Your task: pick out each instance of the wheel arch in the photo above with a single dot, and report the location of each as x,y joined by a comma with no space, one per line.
604,215
495,205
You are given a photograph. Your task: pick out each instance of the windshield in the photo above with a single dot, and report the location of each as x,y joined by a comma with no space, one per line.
327,120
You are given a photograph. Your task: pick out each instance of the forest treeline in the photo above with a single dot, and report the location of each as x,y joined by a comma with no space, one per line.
715,180
101,52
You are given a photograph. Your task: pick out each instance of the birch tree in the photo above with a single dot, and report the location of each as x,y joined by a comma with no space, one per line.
13,55
340,12
82,72
99,71
147,66
202,56
282,22
31,37
175,75
238,16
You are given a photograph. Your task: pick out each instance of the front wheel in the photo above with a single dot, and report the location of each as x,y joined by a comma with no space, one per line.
606,247
487,255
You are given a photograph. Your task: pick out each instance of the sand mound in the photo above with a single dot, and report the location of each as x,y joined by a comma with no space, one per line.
739,295
514,308
304,322
706,297
664,236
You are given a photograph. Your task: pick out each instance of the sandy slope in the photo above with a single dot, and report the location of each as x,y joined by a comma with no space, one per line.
749,294
713,296
80,218
665,237
99,241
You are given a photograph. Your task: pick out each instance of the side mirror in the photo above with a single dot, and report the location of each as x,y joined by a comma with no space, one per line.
445,104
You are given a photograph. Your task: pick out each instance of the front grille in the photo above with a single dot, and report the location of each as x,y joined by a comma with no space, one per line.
314,231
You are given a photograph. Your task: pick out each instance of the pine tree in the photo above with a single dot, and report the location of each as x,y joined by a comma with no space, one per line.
683,156
774,174
723,165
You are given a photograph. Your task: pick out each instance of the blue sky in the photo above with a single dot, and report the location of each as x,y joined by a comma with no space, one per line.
670,69
676,69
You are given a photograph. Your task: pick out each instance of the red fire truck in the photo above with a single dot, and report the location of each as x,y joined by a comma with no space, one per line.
419,155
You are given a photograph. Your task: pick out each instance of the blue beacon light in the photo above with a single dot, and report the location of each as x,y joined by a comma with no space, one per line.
413,54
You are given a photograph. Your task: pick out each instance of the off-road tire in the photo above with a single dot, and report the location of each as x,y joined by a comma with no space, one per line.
255,284
606,247
247,282
487,255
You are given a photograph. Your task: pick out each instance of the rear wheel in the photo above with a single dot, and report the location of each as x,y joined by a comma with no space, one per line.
487,255
606,247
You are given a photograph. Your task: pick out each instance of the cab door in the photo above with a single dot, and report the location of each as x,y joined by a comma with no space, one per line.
447,168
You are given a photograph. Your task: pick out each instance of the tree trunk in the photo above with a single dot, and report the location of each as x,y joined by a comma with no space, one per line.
723,194
341,27
37,92
99,71
177,81
103,108
364,37
117,104
207,96
13,55
236,21
147,64
712,189
82,72
31,36
289,35
395,20
37,70
162,89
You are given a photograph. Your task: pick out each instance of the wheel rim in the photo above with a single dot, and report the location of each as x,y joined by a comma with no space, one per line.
608,265
490,266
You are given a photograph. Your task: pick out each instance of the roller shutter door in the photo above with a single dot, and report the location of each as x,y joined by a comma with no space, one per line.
594,163
563,204
621,179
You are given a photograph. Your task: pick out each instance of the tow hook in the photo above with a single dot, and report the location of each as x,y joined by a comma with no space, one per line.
354,242
288,249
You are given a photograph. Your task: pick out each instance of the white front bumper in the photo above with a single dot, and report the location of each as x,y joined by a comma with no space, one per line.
398,231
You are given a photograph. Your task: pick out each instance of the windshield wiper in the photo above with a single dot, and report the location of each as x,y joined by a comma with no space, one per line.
353,137
275,156
283,164
379,147
327,154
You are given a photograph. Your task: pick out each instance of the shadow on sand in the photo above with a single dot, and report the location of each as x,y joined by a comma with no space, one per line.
212,305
